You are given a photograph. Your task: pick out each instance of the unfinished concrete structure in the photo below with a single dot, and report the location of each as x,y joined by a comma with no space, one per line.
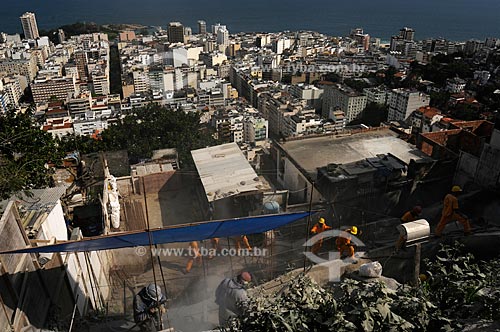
351,170
232,187
38,290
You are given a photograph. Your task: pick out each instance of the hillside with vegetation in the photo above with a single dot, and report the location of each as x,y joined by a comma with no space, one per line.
458,293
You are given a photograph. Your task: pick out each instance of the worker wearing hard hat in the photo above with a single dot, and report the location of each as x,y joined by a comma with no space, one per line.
409,216
320,227
344,245
451,212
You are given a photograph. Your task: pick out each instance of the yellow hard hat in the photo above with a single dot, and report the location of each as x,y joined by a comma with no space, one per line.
321,220
354,230
456,189
422,277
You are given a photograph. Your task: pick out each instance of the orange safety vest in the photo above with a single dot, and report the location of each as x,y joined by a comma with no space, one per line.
450,204
320,228
408,217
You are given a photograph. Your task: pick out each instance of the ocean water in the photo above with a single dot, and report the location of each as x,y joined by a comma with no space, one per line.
455,20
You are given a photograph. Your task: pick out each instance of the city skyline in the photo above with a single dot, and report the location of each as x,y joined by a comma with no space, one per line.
430,18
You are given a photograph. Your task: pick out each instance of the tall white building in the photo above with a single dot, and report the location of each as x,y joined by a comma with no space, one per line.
223,39
30,27
402,103
216,27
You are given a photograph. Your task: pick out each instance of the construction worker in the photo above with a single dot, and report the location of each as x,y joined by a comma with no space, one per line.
409,216
194,251
215,247
149,304
232,297
243,239
451,212
344,245
319,228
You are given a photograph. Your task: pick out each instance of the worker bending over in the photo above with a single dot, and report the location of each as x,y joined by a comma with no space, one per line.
344,245
409,216
149,304
231,296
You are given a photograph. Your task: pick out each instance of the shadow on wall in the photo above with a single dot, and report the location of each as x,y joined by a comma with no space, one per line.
38,298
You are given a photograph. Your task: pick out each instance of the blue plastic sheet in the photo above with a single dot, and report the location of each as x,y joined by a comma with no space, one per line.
182,233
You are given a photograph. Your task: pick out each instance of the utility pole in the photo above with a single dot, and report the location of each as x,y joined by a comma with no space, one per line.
416,271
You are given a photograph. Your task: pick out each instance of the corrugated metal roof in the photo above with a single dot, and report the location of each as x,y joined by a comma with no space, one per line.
151,168
224,171
35,208
41,199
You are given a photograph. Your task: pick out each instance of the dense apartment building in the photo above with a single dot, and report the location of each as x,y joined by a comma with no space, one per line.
312,94
45,89
24,67
30,28
349,101
377,95
175,32
255,129
403,102
12,91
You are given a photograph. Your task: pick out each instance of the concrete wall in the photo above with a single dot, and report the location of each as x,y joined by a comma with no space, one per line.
488,171
24,298
495,139
27,290
54,225
466,169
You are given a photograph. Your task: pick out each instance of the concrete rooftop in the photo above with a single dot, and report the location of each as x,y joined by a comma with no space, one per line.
316,152
224,171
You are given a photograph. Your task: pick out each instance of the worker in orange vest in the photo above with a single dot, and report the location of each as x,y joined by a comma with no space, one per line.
215,247
344,245
318,228
194,251
409,216
243,239
451,212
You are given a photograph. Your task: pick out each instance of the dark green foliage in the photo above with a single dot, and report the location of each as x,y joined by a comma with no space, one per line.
305,306
440,99
457,290
154,127
461,287
83,144
357,84
374,307
25,152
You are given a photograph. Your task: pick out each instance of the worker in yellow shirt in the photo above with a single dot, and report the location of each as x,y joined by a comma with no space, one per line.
451,212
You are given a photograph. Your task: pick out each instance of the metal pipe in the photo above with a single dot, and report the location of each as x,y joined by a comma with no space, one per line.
74,312
150,236
309,222
90,278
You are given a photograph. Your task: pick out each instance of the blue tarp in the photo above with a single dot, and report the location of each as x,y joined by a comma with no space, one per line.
182,233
